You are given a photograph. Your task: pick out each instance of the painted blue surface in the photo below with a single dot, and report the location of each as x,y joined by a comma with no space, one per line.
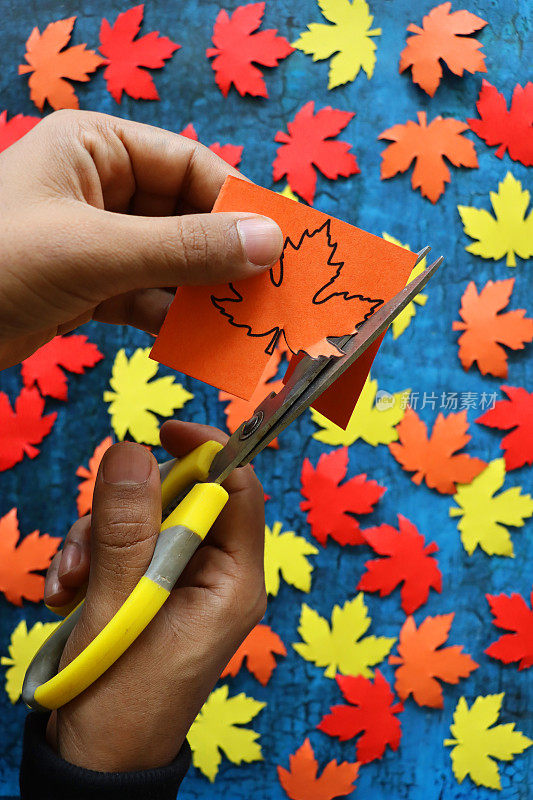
424,358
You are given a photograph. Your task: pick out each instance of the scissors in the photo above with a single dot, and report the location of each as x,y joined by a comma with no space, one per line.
192,498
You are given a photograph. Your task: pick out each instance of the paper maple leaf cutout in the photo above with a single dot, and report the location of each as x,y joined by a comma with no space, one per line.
484,515
323,311
135,399
286,554
406,559
403,320
330,504
516,414
22,648
511,129
45,367
216,728
427,145
18,562
512,614
510,232
349,37
237,48
258,649
422,662
476,744
442,36
308,144
50,64
22,427
485,329
231,153
341,646
84,500
432,458
371,420
372,712
12,131
301,781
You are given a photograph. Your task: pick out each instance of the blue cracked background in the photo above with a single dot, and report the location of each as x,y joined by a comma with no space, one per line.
424,358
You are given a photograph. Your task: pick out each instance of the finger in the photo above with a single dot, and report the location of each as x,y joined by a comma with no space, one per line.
144,309
75,561
55,594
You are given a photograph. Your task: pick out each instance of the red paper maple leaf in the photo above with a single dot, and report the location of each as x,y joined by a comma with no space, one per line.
442,36
322,310
237,48
515,413
12,131
432,459
231,153
485,330
84,500
301,781
329,504
427,144
258,649
372,713
19,563
45,366
407,559
125,55
512,130
512,614
22,427
308,145
422,664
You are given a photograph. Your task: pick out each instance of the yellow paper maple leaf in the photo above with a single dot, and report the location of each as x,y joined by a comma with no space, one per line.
484,516
475,741
216,728
349,37
370,421
340,647
510,233
136,399
286,553
287,192
403,320
23,646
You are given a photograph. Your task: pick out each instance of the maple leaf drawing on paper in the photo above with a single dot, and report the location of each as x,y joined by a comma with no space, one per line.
509,233
309,144
20,559
372,712
50,62
217,728
403,320
22,427
427,145
476,744
286,555
349,37
45,367
258,651
84,500
421,661
486,330
323,311
434,459
23,646
231,153
511,130
484,514
125,55
341,646
512,614
514,414
301,780
14,129
237,48
330,504
443,35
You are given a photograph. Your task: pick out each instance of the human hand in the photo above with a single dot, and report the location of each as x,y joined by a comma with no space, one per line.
136,716
100,216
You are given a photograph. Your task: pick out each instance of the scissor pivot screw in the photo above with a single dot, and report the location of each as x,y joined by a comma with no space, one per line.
251,425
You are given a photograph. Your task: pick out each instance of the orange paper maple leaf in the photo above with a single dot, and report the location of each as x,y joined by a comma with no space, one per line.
427,145
84,500
301,782
443,35
50,64
305,299
485,330
18,563
258,649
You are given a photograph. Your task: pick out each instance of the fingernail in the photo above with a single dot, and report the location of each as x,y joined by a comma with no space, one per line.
261,239
52,586
126,464
70,558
